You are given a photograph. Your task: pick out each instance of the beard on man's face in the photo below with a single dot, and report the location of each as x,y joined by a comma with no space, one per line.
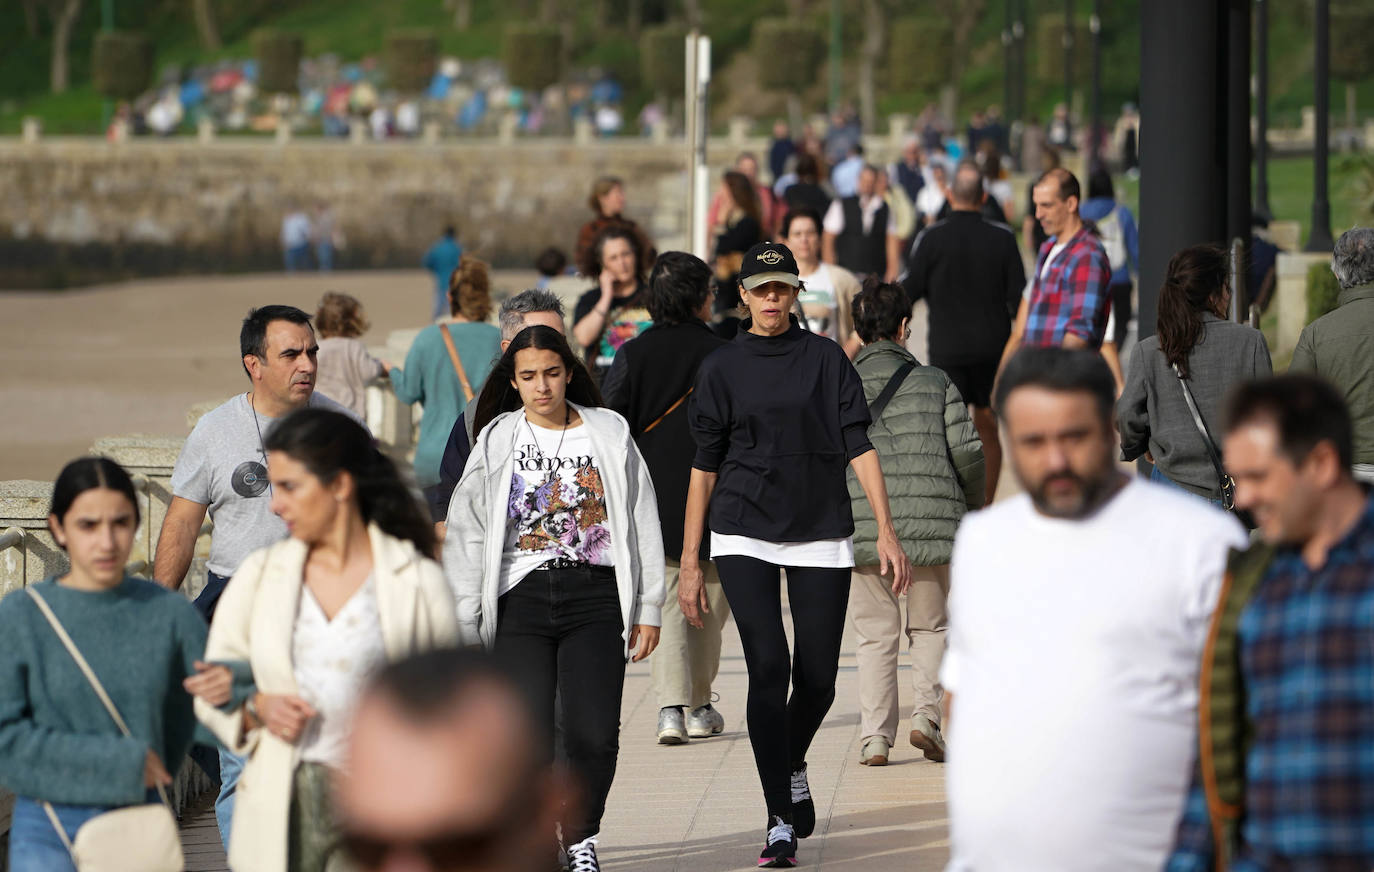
1069,495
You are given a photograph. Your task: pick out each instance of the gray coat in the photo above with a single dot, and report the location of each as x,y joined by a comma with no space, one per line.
1153,416
931,456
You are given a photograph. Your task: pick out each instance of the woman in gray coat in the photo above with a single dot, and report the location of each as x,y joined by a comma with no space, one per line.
1192,341
933,465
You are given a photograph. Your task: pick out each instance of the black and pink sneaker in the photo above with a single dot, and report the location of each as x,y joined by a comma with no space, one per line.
780,851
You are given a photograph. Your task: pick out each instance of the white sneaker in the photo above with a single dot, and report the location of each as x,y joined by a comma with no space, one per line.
704,722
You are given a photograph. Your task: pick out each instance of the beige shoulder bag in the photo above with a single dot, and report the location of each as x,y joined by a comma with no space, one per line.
457,363
139,838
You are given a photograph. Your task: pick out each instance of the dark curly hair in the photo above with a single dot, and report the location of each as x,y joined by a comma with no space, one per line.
879,309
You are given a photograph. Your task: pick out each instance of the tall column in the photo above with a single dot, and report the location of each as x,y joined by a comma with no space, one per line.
1319,238
1068,55
1008,65
1238,136
1181,99
1262,109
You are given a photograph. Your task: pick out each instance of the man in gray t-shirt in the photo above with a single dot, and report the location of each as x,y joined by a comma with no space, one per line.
222,468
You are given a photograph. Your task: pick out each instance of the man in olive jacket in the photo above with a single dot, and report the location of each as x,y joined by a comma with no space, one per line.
933,466
1339,346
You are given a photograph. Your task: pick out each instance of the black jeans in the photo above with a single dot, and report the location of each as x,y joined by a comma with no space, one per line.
559,631
208,599
781,729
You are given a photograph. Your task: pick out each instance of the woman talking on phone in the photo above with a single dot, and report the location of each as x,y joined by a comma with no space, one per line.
778,415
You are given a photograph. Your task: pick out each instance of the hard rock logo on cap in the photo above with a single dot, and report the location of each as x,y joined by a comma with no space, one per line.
770,257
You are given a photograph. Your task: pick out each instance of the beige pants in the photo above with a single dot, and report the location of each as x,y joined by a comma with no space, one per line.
877,617
687,659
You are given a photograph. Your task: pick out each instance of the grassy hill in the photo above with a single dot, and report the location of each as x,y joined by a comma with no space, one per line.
354,29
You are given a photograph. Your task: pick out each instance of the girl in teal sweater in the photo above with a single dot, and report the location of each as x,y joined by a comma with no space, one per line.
57,742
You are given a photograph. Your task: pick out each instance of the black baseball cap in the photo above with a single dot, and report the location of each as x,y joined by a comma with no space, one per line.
768,262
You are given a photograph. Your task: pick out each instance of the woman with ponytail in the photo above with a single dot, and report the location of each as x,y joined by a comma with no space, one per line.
351,588
555,555
1195,342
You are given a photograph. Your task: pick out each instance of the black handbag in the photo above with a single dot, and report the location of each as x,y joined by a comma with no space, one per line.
1228,484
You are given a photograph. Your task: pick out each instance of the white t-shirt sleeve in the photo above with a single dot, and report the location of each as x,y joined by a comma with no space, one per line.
959,579
1201,598
834,218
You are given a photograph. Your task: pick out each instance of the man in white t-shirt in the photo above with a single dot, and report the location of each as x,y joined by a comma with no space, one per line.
1077,616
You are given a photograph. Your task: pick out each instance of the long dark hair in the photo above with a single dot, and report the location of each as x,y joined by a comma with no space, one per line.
90,473
501,396
743,193
327,443
1195,279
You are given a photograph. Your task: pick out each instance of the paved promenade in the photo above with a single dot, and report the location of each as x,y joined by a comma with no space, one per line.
698,807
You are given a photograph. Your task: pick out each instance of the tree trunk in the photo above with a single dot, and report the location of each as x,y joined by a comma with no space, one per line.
64,14
205,25
875,27
634,18
692,10
31,18
1350,111
462,14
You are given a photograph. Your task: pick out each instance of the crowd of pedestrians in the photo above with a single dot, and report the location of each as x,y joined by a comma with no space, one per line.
1116,672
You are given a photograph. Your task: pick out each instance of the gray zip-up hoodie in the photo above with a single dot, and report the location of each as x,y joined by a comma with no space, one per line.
477,524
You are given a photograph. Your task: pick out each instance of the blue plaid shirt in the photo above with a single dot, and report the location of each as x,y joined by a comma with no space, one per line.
1307,662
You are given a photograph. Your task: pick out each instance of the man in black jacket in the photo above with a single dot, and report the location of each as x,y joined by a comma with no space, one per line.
648,384
969,271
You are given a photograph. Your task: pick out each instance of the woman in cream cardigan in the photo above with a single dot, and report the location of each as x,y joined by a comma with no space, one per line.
556,557
350,589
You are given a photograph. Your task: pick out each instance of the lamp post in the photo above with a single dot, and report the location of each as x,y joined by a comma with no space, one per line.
1319,238
1008,61
1068,55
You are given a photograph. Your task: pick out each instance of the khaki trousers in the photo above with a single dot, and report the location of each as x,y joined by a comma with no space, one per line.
687,659
877,617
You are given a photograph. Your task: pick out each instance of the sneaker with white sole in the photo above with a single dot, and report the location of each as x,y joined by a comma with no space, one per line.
582,856
780,847
803,807
926,735
672,728
875,751
704,722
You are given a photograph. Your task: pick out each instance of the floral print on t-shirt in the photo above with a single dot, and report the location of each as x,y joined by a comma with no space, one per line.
553,515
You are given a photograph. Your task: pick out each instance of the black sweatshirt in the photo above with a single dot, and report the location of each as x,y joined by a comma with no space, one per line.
651,375
779,418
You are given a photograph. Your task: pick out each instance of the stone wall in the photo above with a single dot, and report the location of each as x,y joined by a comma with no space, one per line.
85,210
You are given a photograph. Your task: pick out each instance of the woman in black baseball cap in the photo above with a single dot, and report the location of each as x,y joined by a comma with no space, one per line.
778,415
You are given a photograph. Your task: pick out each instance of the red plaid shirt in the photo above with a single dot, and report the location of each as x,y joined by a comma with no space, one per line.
1072,297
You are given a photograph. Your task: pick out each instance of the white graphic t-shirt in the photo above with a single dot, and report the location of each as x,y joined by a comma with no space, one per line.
820,304
557,503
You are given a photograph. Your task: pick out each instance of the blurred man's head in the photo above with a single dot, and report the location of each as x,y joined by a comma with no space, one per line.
1288,447
1056,196
868,180
1352,260
443,772
966,194
1057,407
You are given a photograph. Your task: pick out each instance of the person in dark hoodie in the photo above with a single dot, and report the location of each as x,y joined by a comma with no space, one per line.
778,416
648,384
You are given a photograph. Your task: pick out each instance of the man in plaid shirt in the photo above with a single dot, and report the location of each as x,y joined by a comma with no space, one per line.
1066,304
1286,752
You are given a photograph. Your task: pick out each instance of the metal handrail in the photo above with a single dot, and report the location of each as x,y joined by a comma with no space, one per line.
12,538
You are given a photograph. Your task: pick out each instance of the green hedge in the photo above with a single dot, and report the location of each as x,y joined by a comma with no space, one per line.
1322,290
1352,43
663,59
919,53
790,53
279,60
533,56
412,56
122,64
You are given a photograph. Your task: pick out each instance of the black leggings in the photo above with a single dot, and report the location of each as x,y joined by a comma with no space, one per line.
781,729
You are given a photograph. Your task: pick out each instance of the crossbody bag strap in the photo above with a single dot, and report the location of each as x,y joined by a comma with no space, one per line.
875,409
86,670
457,362
1212,453
680,400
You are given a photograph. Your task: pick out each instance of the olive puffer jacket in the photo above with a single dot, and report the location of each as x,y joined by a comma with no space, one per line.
931,456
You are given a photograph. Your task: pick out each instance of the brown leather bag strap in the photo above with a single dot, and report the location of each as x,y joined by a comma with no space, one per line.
457,363
680,400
